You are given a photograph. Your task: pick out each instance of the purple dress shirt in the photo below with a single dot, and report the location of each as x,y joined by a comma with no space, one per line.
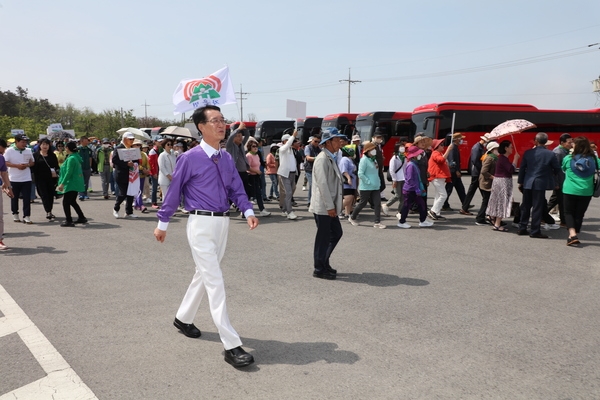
205,184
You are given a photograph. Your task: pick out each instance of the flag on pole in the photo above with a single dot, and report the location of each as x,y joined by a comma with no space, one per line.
215,90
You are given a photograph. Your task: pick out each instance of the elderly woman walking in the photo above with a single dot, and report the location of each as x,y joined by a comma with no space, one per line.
501,195
369,185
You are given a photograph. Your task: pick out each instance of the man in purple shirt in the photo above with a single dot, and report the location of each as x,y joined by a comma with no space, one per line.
208,179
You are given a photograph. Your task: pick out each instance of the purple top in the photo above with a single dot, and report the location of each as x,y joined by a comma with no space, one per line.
2,164
205,185
504,169
411,178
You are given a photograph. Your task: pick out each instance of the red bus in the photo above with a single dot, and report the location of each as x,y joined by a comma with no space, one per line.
343,122
473,120
393,126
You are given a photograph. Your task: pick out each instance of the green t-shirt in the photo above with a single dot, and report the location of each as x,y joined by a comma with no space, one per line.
574,184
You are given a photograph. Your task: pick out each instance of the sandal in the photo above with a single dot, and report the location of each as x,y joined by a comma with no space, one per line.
573,241
499,228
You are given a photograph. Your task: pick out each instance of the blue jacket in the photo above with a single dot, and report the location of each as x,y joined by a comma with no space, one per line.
539,169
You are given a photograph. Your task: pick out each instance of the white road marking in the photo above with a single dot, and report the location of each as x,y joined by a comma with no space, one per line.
61,382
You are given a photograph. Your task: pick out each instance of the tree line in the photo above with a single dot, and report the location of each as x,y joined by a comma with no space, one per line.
20,111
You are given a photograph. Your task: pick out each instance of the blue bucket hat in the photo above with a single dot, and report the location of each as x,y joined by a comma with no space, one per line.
330,133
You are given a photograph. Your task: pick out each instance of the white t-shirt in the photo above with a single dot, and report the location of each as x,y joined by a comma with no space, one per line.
16,156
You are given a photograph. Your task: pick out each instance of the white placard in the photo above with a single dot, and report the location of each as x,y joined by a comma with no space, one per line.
53,128
295,109
132,154
16,132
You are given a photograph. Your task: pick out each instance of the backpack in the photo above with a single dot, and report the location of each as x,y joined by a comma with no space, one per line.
583,167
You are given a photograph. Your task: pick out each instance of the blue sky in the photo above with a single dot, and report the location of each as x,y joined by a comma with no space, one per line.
114,54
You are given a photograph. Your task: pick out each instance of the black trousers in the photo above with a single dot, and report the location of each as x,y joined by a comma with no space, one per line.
457,184
470,192
70,200
557,199
123,197
485,198
329,233
575,208
534,204
46,190
255,190
21,189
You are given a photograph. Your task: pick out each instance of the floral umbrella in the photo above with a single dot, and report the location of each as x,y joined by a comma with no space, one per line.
509,127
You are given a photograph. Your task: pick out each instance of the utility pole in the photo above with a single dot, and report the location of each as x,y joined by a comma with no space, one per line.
242,98
349,80
146,112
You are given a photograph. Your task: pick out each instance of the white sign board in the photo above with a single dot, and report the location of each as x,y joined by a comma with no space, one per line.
131,154
53,128
295,109
16,132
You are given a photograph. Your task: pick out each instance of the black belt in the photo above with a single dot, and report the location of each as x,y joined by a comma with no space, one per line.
210,213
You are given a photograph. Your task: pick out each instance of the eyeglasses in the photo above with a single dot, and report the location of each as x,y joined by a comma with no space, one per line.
254,147
217,121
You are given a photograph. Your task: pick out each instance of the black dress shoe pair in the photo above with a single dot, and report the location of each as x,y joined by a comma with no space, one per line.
238,357
188,330
324,275
538,236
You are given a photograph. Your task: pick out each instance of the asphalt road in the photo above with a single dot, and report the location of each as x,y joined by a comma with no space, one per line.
453,311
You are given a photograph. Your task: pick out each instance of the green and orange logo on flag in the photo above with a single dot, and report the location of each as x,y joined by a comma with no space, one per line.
215,89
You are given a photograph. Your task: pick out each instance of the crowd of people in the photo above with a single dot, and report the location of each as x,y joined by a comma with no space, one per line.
413,174
208,179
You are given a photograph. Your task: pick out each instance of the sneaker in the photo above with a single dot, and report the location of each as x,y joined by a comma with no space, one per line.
116,214
403,226
352,221
516,225
385,210
284,214
131,215
304,188
16,218
379,225
86,197
155,206
26,220
292,216
482,223
264,213
183,211
548,227
81,198
432,215
3,246
425,224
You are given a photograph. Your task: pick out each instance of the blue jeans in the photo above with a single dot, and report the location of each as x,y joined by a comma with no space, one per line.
274,185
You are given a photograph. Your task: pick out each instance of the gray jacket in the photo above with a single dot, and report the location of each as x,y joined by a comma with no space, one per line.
237,152
327,186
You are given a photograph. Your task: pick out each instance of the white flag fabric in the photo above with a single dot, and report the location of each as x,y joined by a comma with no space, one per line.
215,89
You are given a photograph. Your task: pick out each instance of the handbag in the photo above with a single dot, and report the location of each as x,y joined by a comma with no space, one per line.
596,184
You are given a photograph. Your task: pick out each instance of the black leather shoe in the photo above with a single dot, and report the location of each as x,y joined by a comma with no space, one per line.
332,271
324,275
81,221
523,232
538,236
188,330
67,224
238,357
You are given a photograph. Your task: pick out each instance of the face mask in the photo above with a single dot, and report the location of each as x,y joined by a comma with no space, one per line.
401,149
372,152
105,145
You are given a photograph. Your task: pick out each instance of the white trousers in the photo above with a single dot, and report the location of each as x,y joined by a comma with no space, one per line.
440,194
207,237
